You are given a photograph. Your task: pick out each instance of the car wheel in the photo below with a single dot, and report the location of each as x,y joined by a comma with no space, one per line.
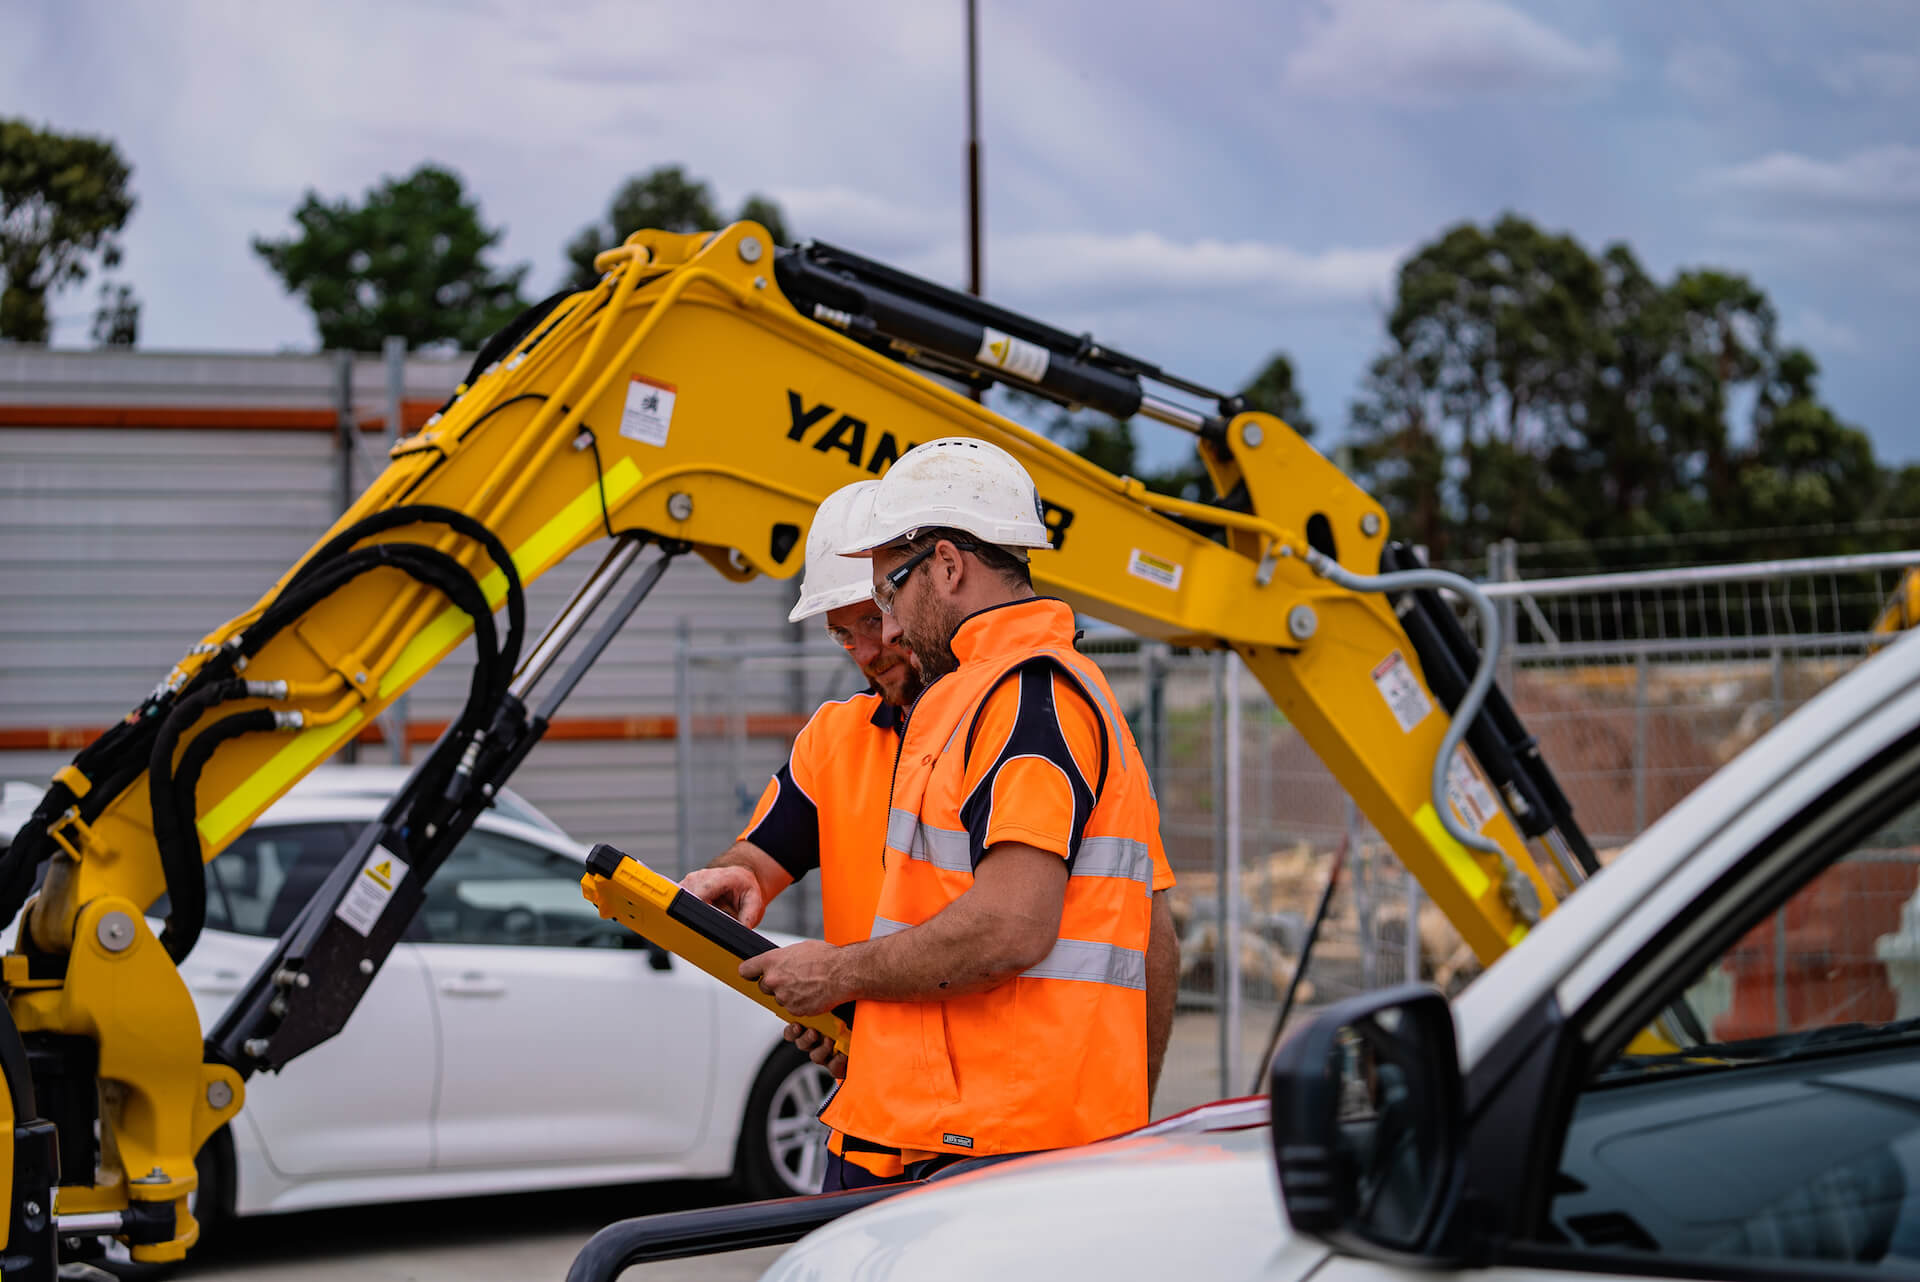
783,1145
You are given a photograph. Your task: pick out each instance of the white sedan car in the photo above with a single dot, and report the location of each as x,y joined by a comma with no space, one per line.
513,1041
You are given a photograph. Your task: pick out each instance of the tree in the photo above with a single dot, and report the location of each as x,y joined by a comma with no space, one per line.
63,200
116,322
1805,467
1274,392
410,260
1533,390
666,198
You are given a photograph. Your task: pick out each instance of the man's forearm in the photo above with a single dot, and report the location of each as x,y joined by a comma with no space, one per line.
1007,921
1163,984
963,949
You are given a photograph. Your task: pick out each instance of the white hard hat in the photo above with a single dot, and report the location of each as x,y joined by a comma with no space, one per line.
833,581
957,483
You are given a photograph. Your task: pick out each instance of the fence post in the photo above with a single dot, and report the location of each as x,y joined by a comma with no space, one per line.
1235,752
1779,686
345,438
1504,567
1413,930
1641,714
1363,909
394,351
683,737
1223,902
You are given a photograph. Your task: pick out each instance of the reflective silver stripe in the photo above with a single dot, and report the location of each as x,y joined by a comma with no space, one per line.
900,826
1114,857
1093,963
944,848
884,926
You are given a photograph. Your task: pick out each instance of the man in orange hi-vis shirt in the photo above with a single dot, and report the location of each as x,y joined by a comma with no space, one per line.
1003,988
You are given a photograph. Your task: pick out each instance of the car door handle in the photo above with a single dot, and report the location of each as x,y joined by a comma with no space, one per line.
473,984
219,983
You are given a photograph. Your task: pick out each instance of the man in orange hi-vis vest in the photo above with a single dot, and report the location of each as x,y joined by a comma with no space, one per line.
1003,989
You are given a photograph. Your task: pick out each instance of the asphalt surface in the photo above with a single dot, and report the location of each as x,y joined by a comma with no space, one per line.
533,1237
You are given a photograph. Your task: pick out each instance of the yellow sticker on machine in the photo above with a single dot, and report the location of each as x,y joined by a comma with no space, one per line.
1460,862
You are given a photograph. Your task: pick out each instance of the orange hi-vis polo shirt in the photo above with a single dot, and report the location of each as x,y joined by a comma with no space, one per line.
826,808
1023,743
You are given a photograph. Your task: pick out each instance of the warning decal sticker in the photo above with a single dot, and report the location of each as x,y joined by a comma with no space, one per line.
1472,800
1153,569
1014,355
649,411
1393,677
367,897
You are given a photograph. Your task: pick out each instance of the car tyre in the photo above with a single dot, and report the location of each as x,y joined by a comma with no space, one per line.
783,1150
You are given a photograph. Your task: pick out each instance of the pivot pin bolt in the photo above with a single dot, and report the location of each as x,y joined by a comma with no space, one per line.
116,932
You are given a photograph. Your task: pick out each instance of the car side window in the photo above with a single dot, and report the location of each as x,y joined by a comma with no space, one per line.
499,890
257,885
1791,1131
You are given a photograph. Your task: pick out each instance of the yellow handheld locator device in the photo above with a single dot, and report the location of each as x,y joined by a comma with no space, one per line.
656,908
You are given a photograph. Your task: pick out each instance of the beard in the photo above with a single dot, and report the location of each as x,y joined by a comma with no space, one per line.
895,677
928,637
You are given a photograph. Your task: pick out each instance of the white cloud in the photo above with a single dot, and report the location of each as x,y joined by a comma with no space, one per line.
1876,177
1877,74
1708,72
1422,51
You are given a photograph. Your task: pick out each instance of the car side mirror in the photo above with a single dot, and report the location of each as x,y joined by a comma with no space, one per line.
1369,1123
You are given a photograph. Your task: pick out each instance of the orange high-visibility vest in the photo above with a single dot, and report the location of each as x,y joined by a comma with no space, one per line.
827,809
1056,1055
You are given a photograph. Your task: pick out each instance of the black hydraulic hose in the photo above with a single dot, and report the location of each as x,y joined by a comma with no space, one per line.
174,809
114,761
180,870
174,834
460,523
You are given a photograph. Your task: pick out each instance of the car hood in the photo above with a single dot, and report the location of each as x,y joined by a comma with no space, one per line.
1209,1204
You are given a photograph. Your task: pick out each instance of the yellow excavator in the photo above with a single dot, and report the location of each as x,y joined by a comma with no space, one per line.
702,398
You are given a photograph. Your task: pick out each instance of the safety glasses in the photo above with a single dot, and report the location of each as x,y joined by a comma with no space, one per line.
893,580
865,628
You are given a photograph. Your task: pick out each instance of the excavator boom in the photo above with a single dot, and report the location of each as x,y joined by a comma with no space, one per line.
703,397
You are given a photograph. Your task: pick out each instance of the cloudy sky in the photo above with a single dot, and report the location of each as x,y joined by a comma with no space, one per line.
1201,185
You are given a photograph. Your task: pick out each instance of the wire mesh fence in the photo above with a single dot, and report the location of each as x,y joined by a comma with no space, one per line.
1638,687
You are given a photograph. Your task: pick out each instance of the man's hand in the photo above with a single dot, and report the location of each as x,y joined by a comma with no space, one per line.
732,889
804,977
818,1049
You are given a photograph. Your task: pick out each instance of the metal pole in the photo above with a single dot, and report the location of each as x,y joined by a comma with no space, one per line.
1412,974
345,428
1223,899
1509,572
1779,685
1640,717
975,277
345,431
683,737
394,351
1235,751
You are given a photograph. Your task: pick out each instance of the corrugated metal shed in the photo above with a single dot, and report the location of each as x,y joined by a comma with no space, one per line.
123,545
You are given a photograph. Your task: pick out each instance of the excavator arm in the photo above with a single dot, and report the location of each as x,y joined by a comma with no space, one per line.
703,397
